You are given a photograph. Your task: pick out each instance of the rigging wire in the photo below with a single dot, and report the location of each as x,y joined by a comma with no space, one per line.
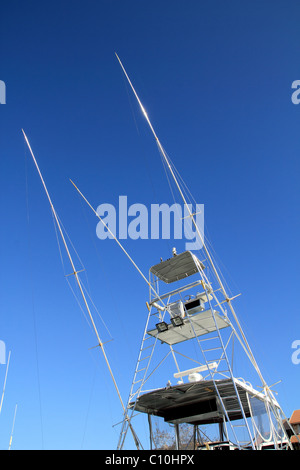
86,290
148,172
192,201
114,307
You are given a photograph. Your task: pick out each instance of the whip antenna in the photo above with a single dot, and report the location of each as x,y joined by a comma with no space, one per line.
75,272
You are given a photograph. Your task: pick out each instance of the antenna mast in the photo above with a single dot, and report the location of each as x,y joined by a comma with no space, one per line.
191,216
75,272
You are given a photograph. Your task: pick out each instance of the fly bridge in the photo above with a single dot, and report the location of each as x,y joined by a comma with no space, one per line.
188,347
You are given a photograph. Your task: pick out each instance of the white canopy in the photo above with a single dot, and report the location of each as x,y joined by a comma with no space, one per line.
178,267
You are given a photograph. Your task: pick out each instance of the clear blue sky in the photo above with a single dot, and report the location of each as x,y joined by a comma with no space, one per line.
215,78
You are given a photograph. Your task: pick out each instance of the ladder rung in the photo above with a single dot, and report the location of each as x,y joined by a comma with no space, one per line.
212,349
147,347
144,358
132,397
148,337
140,370
134,383
208,339
222,385
217,360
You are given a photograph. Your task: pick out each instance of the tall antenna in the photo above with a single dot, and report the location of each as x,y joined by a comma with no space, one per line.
191,216
75,272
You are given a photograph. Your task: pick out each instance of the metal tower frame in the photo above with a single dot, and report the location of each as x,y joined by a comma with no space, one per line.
215,295
201,320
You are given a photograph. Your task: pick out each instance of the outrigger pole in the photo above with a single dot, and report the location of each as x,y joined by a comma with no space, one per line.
118,242
265,387
191,216
75,272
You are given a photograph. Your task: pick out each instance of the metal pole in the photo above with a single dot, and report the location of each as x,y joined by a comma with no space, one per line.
177,437
4,385
75,272
197,230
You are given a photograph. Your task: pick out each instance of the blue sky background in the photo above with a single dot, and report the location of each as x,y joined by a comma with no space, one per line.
215,78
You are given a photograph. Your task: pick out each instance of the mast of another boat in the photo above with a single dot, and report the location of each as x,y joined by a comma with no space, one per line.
5,379
75,273
13,427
